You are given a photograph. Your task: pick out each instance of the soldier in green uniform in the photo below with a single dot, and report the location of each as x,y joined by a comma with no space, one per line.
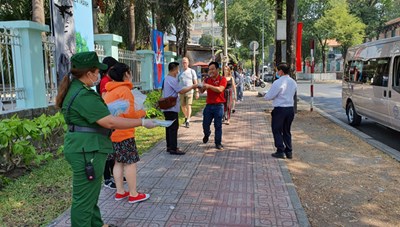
87,142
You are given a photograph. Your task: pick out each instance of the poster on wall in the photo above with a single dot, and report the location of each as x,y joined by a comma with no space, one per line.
158,48
73,31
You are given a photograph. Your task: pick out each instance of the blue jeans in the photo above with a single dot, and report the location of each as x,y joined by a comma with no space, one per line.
239,92
216,112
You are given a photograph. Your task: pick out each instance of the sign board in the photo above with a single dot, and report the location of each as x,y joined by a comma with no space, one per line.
254,45
252,52
280,29
72,29
158,48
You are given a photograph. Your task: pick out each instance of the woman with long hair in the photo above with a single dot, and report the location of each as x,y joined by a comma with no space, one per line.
230,94
87,141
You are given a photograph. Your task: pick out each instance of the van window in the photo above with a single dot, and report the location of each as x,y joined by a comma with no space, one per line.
353,71
396,74
376,72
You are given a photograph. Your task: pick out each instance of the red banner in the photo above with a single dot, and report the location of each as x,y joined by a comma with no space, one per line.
298,46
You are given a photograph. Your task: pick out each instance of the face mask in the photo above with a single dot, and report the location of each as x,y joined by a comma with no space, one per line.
97,82
277,75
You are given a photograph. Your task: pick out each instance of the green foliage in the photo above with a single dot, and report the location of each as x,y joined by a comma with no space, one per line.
337,23
11,10
49,187
81,43
19,136
245,20
150,104
374,13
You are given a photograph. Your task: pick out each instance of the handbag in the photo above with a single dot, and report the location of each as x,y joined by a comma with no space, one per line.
166,103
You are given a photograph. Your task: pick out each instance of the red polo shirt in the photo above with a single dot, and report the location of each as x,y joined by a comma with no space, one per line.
212,96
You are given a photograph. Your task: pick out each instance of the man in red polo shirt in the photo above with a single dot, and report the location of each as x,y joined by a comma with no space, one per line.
215,86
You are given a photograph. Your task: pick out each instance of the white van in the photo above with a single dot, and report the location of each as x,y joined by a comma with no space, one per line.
371,83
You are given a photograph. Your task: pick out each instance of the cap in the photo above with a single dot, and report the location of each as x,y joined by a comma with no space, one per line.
84,60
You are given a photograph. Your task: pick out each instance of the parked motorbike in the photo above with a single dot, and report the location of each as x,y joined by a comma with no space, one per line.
259,83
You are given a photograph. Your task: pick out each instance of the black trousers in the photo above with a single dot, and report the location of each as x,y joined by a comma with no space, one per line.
108,170
172,131
282,118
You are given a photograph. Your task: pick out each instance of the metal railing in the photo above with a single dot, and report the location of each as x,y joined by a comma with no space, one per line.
99,51
50,68
133,61
9,92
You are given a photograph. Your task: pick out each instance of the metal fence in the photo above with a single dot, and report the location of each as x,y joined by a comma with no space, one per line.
50,68
99,51
9,93
133,61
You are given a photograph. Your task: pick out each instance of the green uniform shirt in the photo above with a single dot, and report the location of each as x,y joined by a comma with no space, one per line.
86,109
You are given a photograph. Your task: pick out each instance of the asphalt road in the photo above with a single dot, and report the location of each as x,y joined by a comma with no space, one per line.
328,97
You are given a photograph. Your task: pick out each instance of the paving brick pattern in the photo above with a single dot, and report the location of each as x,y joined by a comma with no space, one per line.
239,186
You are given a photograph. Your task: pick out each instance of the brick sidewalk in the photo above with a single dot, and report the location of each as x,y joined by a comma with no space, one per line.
239,186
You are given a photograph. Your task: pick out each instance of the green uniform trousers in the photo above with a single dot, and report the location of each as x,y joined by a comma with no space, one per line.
85,193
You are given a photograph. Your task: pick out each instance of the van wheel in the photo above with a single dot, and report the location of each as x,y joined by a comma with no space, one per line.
262,85
352,117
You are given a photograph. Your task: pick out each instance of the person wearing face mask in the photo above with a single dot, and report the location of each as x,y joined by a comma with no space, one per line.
87,141
282,94
126,154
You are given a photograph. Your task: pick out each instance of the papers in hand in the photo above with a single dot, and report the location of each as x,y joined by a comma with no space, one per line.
118,107
139,99
163,123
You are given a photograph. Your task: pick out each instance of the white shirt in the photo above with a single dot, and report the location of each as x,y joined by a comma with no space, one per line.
282,92
186,78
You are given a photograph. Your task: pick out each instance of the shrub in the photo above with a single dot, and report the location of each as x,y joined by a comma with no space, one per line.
151,103
25,142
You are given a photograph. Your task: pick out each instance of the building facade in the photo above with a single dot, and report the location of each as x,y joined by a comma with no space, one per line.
204,24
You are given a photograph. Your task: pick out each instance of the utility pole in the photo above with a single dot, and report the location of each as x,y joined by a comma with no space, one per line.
263,55
225,34
278,43
212,32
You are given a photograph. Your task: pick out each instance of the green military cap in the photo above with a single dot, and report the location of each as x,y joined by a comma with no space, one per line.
85,60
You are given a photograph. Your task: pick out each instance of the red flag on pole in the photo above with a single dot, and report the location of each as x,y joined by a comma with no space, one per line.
298,46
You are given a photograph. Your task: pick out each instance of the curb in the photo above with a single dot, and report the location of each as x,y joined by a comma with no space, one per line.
294,197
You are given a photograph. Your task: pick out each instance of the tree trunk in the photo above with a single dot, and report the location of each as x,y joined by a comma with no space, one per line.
323,53
38,11
291,35
278,43
94,15
132,25
291,24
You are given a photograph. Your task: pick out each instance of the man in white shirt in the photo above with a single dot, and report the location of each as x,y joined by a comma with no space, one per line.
282,93
188,77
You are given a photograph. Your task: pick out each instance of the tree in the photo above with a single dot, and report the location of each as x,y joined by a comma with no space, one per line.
337,23
38,11
374,13
309,11
131,14
205,40
35,10
245,20
132,34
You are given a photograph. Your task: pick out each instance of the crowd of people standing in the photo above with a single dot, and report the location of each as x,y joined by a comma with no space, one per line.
98,143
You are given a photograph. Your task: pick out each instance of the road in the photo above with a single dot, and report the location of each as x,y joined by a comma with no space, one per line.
328,97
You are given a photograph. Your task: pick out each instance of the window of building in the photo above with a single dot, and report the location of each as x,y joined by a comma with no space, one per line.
393,32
